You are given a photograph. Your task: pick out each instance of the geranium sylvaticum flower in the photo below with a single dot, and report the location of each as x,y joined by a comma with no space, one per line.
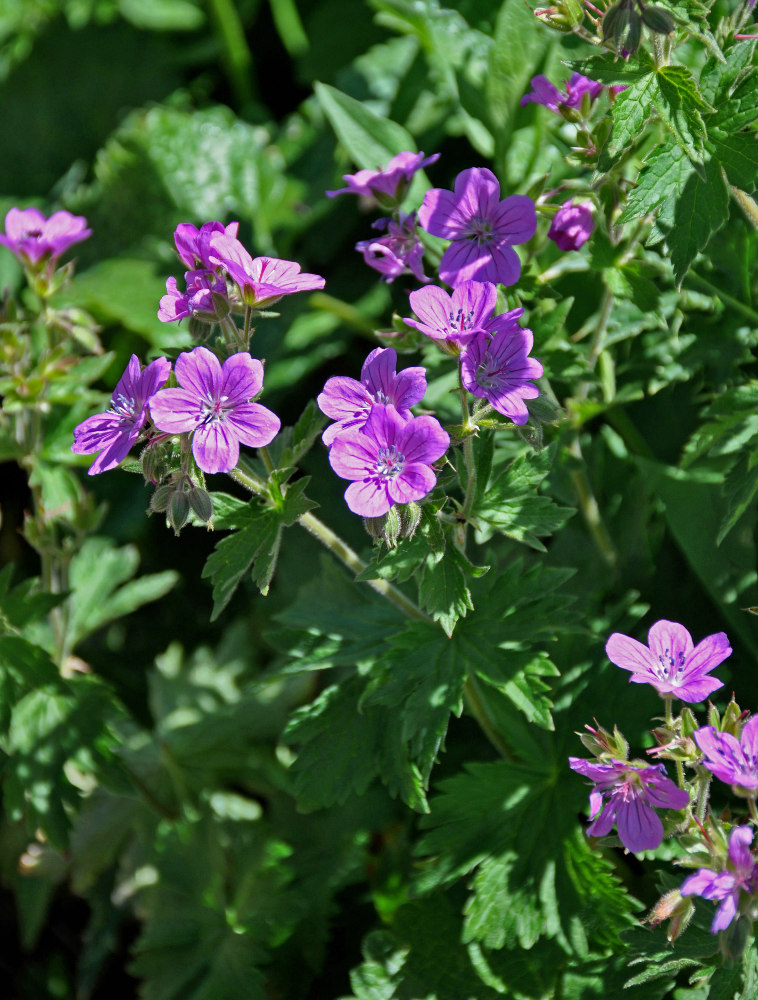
572,225
349,402
261,280
549,96
627,795
670,661
389,460
740,876
388,185
398,252
498,369
114,432
458,317
482,228
214,405
194,245
32,237
197,300
732,761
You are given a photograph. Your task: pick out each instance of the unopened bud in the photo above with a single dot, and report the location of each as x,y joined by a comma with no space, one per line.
658,20
714,719
410,517
201,503
160,500
602,744
689,722
674,907
385,528
733,720
178,510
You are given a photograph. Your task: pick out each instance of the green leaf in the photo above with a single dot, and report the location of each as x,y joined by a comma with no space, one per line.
344,747
701,209
520,45
25,603
631,111
536,874
255,544
443,590
662,176
738,154
369,139
102,588
512,506
679,104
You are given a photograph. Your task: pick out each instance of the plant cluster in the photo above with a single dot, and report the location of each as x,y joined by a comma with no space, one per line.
524,411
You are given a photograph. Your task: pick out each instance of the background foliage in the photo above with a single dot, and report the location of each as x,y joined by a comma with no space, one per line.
231,797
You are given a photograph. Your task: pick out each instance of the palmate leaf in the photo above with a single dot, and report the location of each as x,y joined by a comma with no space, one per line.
515,826
103,589
255,543
512,506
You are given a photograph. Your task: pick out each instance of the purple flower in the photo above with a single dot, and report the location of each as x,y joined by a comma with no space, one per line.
399,252
458,317
388,460
349,402
498,369
670,662
114,432
389,185
196,301
214,404
481,226
32,237
194,245
732,761
543,92
626,795
572,225
740,876
263,280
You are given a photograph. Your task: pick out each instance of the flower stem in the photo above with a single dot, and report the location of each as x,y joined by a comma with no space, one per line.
753,810
701,804
340,549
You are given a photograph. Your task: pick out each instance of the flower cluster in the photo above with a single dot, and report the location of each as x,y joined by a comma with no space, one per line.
494,350
376,442
626,794
213,404
223,276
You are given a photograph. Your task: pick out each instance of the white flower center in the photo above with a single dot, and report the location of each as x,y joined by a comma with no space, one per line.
389,462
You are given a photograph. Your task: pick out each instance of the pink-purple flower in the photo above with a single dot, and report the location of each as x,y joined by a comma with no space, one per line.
572,225
740,876
32,237
670,661
549,96
398,252
460,316
389,460
114,432
499,369
732,761
627,795
388,185
482,228
194,245
261,280
215,405
197,300
349,402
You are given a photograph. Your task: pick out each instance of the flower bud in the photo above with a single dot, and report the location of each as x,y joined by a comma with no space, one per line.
385,528
601,743
410,517
178,510
673,907
658,20
732,720
201,503
689,722
160,500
